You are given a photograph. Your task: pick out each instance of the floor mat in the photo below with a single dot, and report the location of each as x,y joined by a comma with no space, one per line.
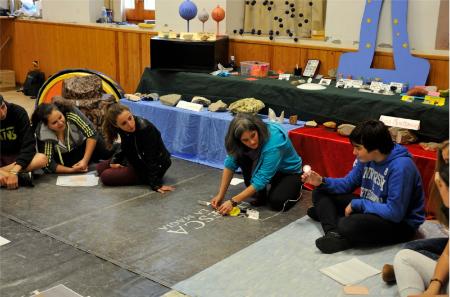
166,238
287,263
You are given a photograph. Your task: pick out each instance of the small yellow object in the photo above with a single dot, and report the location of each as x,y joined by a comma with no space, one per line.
235,212
146,26
431,100
369,20
405,45
395,21
368,45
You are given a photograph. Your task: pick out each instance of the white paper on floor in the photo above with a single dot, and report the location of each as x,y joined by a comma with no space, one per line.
236,181
350,272
86,180
3,241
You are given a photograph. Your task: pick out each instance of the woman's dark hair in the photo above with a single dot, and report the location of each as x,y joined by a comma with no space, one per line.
373,135
43,110
109,126
244,122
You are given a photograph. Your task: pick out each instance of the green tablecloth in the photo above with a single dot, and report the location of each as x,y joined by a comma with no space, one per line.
332,104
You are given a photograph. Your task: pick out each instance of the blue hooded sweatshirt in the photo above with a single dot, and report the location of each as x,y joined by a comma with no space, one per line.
277,155
391,189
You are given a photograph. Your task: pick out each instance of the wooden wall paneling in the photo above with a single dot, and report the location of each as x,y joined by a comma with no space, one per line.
7,41
130,60
252,52
145,45
439,74
285,58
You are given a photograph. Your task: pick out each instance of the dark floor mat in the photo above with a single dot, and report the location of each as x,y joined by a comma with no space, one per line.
33,261
166,238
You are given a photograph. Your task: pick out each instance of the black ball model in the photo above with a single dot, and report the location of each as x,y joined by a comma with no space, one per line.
295,39
259,32
241,31
271,37
234,31
277,32
253,31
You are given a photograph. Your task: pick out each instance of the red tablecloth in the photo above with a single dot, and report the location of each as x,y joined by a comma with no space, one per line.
331,155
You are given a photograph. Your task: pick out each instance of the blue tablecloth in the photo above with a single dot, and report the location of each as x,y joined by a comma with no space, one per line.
194,136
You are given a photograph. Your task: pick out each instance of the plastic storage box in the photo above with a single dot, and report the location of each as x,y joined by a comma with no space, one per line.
254,68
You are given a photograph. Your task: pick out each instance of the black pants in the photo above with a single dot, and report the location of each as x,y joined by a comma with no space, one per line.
283,186
357,228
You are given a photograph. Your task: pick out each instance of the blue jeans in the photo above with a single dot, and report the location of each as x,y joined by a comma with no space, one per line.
430,247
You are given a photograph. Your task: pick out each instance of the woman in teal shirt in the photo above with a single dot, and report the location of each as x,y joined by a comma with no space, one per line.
266,156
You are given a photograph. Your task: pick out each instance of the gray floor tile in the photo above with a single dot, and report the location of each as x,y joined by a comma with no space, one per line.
47,205
33,261
170,237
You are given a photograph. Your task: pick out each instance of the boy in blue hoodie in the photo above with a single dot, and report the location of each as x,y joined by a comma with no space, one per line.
391,205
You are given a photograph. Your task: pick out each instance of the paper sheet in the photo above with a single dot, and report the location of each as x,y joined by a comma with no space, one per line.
350,272
86,180
3,241
236,181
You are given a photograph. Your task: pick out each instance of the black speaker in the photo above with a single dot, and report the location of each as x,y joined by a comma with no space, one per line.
188,55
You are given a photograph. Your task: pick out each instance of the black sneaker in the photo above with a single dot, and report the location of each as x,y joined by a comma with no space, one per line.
332,242
311,212
25,179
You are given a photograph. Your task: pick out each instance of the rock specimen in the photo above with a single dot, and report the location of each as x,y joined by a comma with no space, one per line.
217,106
170,100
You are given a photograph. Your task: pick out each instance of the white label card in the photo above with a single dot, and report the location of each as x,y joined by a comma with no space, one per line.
400,122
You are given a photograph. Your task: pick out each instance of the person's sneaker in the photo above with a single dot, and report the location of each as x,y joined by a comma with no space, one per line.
388,273
311,212
332,242
25,179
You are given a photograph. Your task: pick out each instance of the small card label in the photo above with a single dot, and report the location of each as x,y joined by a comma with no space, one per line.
400,122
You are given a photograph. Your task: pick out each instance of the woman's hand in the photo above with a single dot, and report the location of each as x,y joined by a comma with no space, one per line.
312,178
81,166
116,165
225,208
216,201
165,189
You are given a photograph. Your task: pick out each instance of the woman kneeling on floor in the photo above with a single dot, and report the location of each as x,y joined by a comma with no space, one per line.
391,206
266,156
67,137
143,158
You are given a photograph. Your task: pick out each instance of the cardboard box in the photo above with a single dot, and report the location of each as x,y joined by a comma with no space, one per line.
7,80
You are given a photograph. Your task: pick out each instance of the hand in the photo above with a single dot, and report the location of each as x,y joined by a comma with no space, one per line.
82,165
12,181
312,178
216,201
165,189
116,165
225,208
348,210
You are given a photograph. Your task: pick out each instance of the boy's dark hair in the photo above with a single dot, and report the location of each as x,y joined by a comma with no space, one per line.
244,122
1,100
373,135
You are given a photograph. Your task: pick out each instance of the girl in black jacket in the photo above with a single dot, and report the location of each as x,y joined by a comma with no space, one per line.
143,158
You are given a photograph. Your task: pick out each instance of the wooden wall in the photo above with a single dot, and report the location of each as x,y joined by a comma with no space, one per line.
120,54
123,54
285,56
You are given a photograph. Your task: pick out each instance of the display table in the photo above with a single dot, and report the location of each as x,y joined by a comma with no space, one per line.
340,105
194,136
331,154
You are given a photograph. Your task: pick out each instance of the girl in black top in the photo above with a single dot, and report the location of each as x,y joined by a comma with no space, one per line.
143,158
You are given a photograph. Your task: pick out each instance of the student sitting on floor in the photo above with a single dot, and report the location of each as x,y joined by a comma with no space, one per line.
266,156
390,207
17,147
143,158
67,138
430,247
418,275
